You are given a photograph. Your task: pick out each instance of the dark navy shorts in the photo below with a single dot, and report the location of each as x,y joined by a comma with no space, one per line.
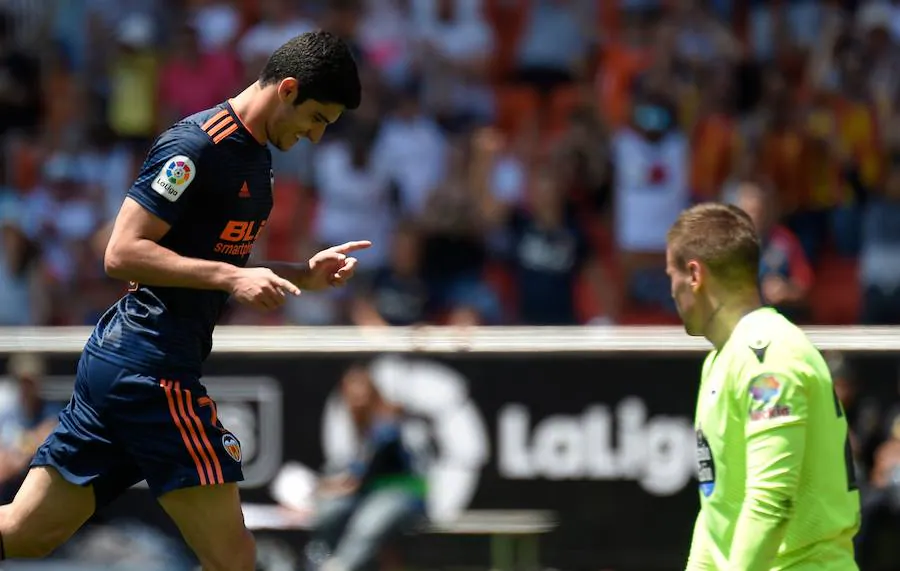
121,427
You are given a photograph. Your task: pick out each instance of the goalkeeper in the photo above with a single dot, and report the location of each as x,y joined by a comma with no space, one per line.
777,488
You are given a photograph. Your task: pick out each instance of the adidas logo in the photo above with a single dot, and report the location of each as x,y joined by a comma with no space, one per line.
245,192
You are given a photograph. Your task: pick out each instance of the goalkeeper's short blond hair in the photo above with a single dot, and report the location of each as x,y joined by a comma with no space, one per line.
722,238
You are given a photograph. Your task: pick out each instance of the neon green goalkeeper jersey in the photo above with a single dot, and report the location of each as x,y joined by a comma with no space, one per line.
777,489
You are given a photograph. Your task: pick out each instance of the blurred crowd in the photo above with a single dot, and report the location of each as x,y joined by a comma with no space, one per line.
514,161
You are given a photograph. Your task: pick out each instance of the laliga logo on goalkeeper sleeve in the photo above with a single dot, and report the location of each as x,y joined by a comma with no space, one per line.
437,400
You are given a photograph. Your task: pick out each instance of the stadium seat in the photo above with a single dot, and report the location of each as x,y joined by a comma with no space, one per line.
835,298
515,104
562,102
507,17
587,306
500,280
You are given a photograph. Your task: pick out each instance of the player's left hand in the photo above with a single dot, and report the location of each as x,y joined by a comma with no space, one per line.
333,267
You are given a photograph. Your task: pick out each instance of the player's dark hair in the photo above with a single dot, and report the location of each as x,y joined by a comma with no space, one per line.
322,65
721,237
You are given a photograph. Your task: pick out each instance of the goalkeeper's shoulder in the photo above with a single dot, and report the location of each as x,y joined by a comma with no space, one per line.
774,342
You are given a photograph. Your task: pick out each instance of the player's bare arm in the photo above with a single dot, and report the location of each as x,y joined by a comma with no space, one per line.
330,267
134,254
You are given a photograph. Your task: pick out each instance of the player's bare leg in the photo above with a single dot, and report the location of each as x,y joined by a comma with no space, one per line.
45,513
212,523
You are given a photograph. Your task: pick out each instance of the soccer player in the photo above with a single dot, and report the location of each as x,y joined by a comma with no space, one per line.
777,488
182,239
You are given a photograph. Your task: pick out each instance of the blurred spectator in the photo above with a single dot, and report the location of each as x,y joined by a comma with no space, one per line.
785,274
193,79
583,163
807,106
625,56
217,23
18,264
396,294
109,167
555,45
125,544
881,502
650,190
874,21
20,99
386,35
326,308
772,24
864,412
455,229
379,496
24,426
701,37
454,53
772,133
858,149
549,254
412,149
880,255
61,217
715,142
280,21
355,197
342,18
133,81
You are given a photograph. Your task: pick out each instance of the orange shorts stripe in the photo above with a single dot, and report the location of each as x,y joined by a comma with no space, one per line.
167,386
218,138
209,449
214,119
179,398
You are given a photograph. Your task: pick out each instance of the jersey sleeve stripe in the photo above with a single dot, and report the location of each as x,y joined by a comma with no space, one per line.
214,119
222,135
219,479
182,411
167,386
221,126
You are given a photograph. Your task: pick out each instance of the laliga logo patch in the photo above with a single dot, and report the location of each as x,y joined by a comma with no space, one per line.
764,389
232,446
175,176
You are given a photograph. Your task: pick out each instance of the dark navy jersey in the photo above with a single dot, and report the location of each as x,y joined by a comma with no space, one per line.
212,182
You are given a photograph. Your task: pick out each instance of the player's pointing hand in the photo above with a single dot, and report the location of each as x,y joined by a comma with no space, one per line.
262,288
333,267
348,247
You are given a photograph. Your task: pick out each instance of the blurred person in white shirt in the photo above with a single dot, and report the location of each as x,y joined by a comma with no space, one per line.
454,49
61,217
650,189
386,34
555,44
24,426
218,23
412,149
18,255
355,195
281,20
